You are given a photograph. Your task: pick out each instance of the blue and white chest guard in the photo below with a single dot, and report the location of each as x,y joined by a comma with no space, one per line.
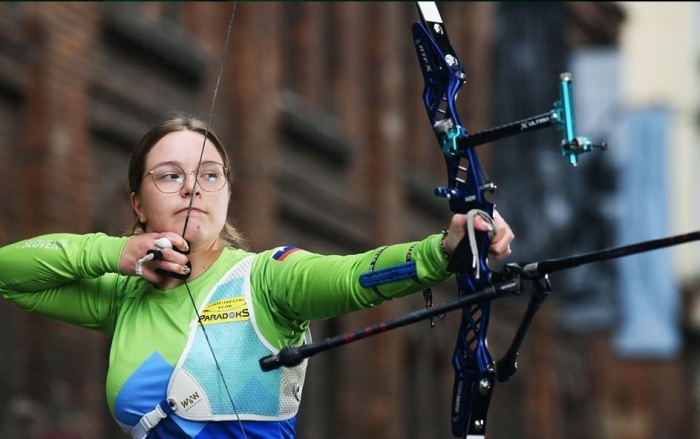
196,390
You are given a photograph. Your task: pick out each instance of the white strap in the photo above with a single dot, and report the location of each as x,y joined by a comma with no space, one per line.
148,422
139,263
161,244
472,237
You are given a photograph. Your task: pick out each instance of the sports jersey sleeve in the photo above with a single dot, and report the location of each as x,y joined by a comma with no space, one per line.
62,276
304,286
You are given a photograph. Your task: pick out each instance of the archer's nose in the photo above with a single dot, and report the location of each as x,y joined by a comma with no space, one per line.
190,185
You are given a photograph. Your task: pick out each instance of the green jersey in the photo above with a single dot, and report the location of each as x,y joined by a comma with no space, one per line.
76,279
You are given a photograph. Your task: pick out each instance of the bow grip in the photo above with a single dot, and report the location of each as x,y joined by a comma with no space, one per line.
462,256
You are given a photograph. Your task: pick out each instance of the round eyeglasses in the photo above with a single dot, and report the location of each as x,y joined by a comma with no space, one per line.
169,178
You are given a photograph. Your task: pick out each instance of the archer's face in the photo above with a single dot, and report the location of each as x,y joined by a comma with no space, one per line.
168,185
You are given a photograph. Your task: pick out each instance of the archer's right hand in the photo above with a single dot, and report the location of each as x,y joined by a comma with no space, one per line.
137,248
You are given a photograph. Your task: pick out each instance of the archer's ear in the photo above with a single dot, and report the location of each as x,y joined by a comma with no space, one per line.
138,208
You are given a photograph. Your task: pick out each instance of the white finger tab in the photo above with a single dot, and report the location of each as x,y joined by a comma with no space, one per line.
163,243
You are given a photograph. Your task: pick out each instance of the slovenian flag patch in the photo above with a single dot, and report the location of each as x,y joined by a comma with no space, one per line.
282,252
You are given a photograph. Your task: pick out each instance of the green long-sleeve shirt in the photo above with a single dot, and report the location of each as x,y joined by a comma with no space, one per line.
75,279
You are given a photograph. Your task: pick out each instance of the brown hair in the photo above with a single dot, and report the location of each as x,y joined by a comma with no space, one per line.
229,236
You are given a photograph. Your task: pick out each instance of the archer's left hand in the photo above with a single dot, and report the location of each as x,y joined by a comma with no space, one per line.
500,243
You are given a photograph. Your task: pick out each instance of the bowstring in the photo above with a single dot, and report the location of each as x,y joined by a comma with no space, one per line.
189,210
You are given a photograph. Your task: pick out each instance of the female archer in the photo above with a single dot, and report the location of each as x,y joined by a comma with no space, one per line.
190,311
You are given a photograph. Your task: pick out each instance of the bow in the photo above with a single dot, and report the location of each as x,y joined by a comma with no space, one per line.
466,190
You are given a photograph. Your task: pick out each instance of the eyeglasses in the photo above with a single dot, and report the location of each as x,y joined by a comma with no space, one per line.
169,178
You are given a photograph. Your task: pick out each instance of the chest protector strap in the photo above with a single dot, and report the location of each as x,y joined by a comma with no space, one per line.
151,419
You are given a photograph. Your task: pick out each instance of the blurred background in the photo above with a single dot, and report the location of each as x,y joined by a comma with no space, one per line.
320,105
